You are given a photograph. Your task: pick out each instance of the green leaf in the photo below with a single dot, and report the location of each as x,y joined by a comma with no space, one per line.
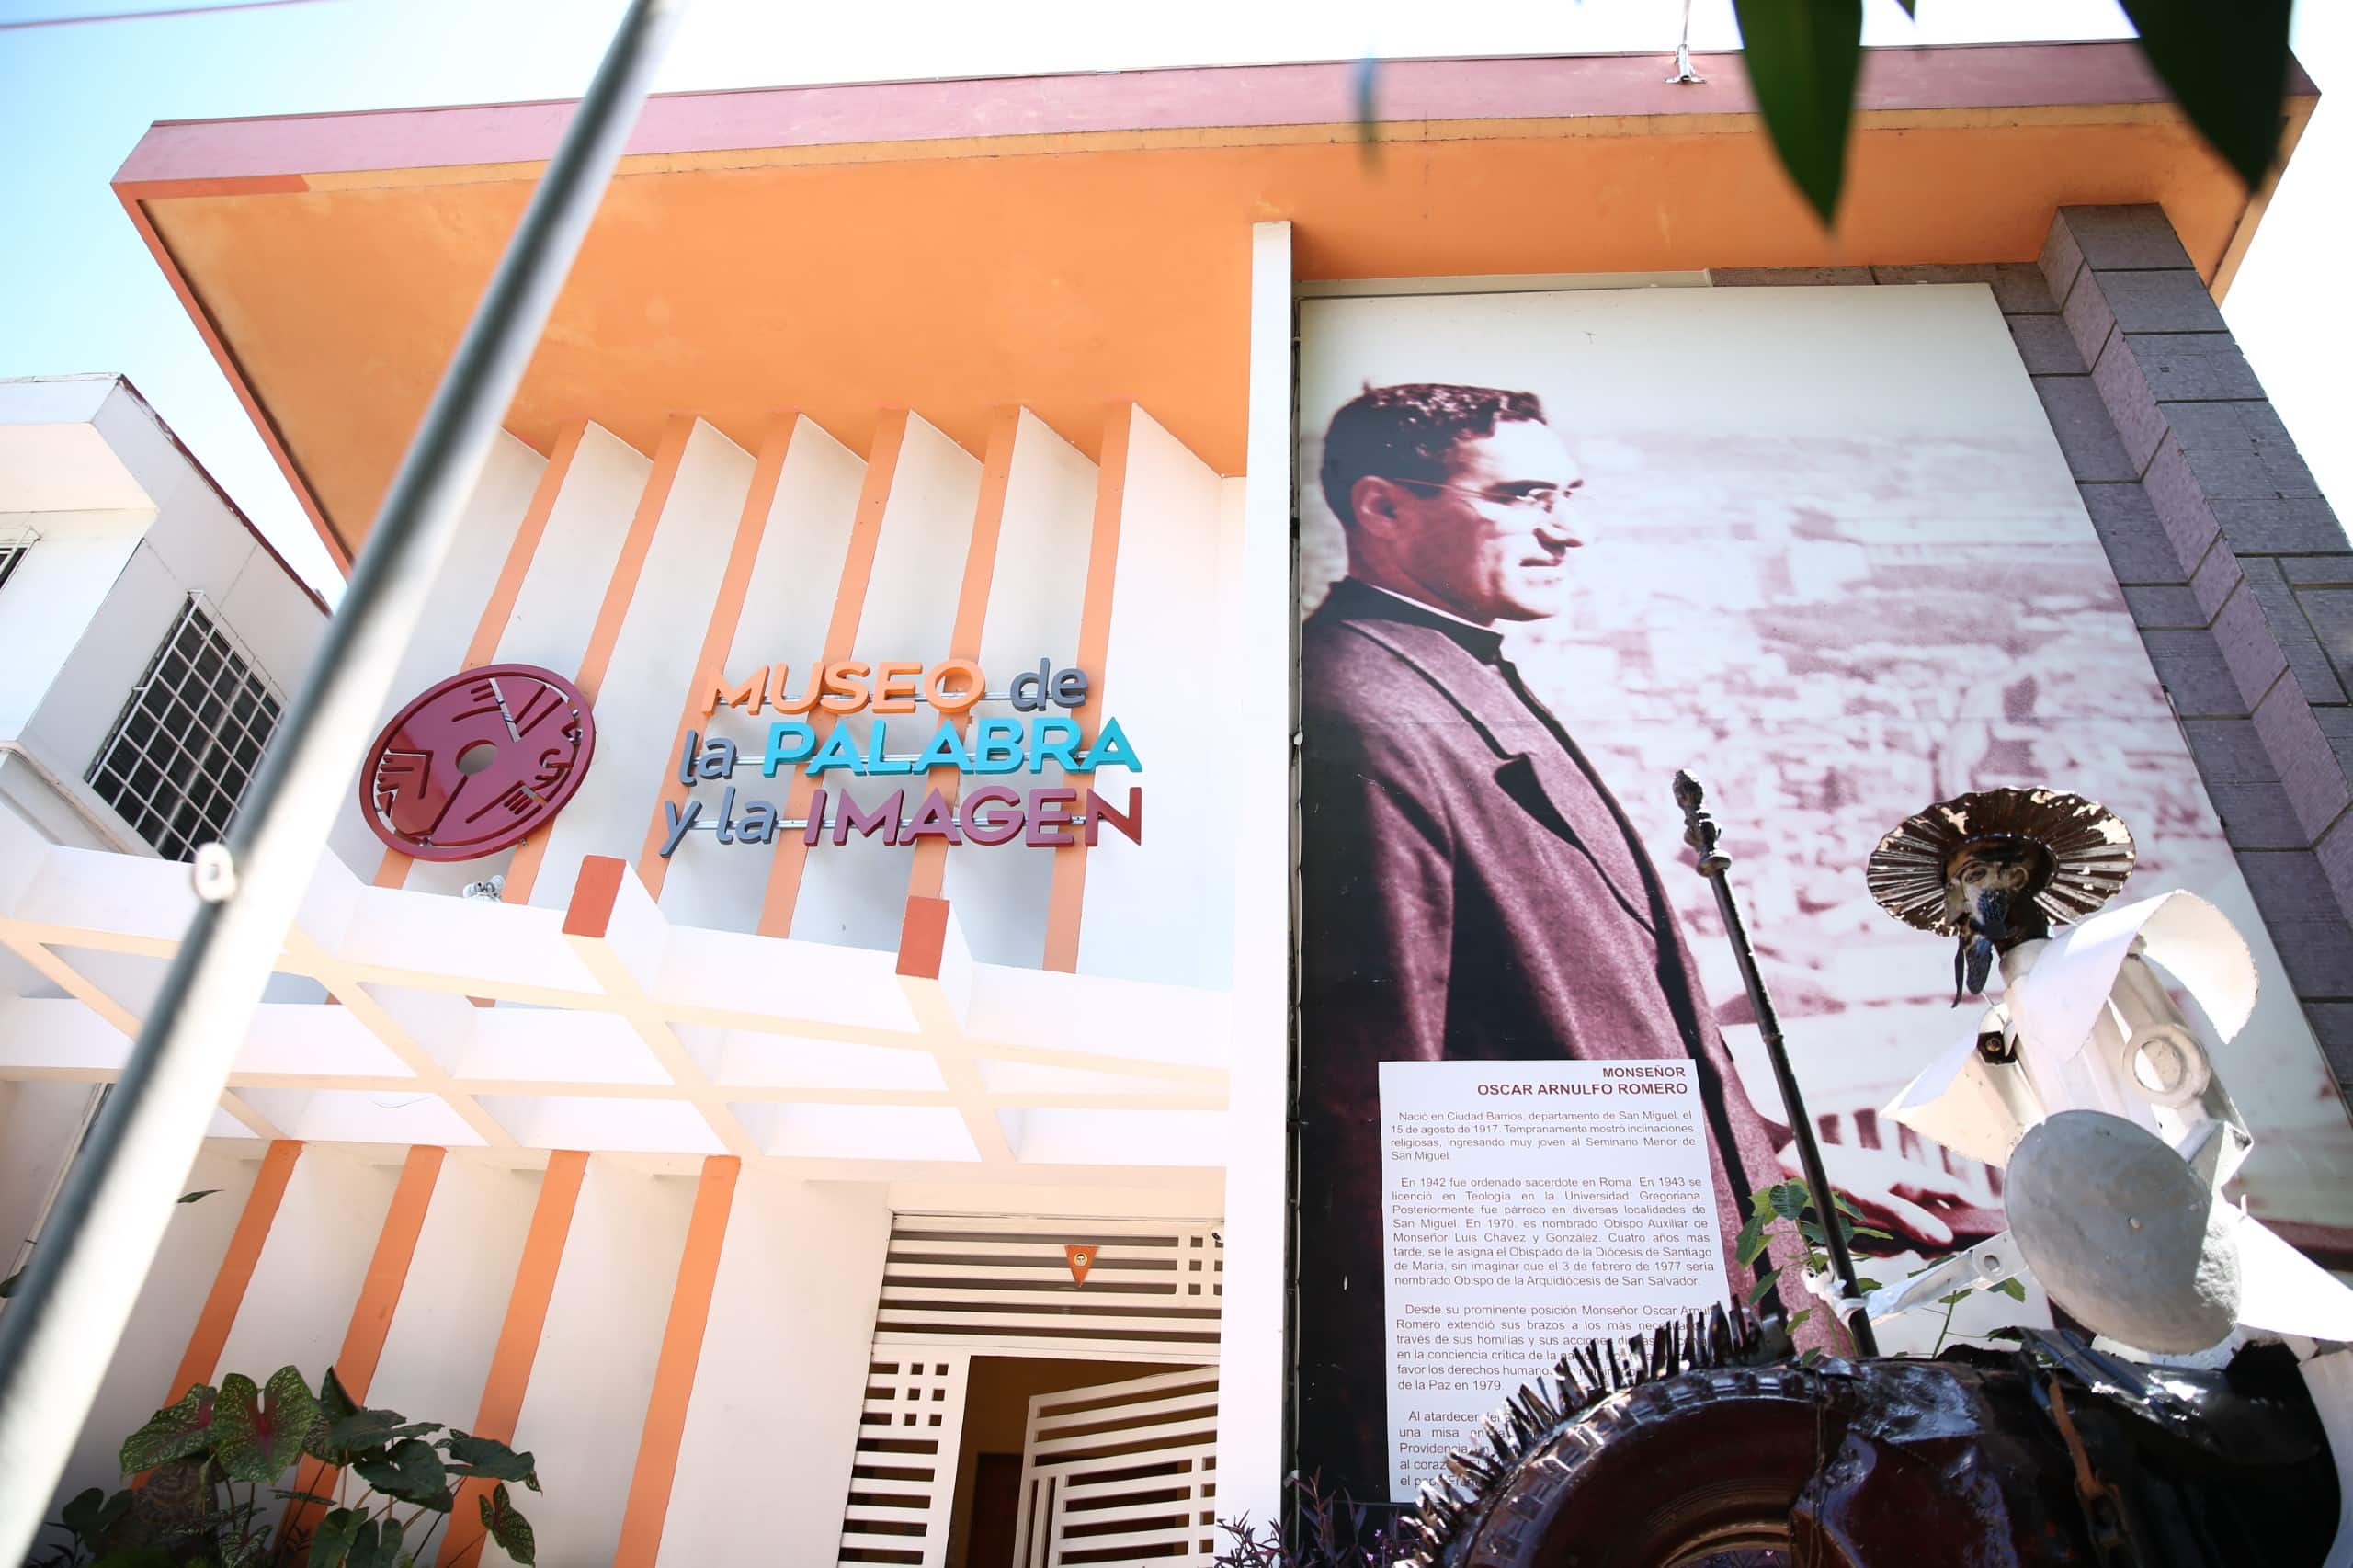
375,1429
1752,1240
1810,1230
1877,1235
262,1431
117,1509
1961,1295
2012,1288
1844,1203
2008,1331
172,1432
198,1196
80,1513
1797,1318
410,1471
1802,59
375,1544
2227,66
1865,1283
1808,1356
331,1543
1788,1199
507,1527
490,1459
1763,1288
1760,1202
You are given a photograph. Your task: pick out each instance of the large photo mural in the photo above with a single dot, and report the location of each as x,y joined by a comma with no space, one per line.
1820,548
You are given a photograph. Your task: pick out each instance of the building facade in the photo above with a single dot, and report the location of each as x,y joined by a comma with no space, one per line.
804,1107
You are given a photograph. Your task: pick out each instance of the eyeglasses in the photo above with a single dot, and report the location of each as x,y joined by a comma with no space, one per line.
1545,498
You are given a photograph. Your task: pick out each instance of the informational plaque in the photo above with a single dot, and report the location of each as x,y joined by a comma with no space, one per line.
1530,1207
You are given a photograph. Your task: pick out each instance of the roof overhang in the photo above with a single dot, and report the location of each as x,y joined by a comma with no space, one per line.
1070,241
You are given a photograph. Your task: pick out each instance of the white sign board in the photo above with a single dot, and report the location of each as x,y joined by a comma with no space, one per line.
1528,1207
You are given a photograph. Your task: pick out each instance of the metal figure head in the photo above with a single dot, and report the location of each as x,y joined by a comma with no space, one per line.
1997,867
1990,891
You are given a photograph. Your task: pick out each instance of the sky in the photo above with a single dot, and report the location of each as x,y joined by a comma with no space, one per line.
78,291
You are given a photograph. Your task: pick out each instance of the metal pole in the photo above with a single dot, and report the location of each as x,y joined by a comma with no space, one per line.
1699,832
60,1329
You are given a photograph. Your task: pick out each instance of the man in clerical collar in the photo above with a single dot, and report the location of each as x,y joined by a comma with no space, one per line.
1470,888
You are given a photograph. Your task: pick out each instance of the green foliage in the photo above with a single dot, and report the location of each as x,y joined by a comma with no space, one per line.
507,1527
1801,62
172,1432
258,1433
2226,66
1791,1204
219,1454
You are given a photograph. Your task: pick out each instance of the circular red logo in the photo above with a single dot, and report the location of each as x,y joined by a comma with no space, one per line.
477,762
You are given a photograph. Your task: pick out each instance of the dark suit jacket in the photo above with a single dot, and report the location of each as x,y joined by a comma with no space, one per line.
1470,890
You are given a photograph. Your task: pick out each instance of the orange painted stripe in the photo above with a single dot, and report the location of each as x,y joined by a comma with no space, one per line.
674,1372
929,875
1068,894
519,1335
371,1316
133,203
850,601
524,868
726,612
203,1359
499,608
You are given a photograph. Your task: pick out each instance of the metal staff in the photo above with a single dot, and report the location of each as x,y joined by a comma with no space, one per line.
1699,831
60,1330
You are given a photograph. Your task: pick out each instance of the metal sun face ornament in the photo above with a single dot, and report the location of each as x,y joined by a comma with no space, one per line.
1999,867
477,762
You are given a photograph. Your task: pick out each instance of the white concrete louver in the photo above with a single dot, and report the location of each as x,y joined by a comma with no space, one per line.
650,1037
678,1031
958,1286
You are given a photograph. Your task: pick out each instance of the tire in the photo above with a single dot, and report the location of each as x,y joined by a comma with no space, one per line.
1666,1475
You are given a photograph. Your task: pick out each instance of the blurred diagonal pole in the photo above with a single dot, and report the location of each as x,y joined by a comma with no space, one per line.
59,1331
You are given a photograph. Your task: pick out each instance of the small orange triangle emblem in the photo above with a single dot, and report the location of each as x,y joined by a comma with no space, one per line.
1081,1259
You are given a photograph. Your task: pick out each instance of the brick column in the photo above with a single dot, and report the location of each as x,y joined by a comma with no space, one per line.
2236,570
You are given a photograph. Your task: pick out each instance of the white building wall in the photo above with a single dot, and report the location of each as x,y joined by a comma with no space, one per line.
645,686
586,1405
83,613
555,610
779,1383
460,590
1162,909
437,1353
137,1380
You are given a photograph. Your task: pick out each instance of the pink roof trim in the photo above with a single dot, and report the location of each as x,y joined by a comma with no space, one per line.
1971,76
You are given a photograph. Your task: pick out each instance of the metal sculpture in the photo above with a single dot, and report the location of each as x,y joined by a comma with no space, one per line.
1703,1445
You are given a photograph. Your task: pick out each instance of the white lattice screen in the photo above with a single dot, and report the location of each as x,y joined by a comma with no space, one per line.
903,1482
1152,1292
957,1286
1121,1473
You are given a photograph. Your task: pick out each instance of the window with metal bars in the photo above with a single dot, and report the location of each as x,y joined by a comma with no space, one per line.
14,544
188,738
